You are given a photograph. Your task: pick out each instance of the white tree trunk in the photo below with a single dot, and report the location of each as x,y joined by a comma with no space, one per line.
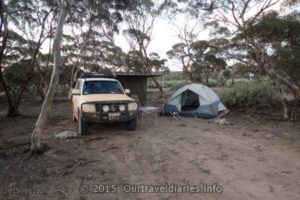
284,103
46,107
283,99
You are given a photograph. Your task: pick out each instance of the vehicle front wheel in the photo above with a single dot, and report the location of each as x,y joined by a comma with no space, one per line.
83,126
131,125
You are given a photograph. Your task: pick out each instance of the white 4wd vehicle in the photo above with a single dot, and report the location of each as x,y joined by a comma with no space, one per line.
102,100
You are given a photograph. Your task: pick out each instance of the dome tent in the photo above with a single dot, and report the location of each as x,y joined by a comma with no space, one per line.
194,100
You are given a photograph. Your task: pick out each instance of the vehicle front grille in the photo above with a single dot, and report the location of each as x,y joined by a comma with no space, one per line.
113,107
98,107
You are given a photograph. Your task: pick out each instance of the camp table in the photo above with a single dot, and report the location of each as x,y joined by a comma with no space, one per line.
147,112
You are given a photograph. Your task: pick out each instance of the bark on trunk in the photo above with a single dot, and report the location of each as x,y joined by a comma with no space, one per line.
232,78
11,111
36,146
284,102
292,86
283,98
206,77
186,70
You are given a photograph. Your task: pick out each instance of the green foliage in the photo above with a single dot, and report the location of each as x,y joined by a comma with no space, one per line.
168,84
136,33
250,95
200,58
156,63
18,48
17,74
226,73
96,52
241,70
172,81
279,42
176,85
223,77
134,62
212,83
174,76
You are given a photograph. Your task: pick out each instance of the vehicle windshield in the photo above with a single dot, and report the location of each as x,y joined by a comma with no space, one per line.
102,87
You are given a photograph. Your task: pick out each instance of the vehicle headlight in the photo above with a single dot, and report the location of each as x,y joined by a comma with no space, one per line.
122,108
90,108
105,108
132,106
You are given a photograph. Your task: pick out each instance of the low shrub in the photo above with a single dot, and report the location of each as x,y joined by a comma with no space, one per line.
178,85
250,95
173,84
212,83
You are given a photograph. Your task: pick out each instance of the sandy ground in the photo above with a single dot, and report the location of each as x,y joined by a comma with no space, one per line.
255,156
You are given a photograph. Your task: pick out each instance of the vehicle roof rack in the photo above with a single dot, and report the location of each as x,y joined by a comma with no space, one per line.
96,75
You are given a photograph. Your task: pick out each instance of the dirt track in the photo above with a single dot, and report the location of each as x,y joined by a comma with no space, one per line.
251,158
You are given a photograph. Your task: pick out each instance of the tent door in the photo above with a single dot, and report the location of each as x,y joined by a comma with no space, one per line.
189,101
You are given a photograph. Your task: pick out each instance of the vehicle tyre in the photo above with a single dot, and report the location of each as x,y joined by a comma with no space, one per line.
83,126
131,125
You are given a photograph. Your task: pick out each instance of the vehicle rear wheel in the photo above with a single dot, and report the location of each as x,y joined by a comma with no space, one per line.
83,126
131,125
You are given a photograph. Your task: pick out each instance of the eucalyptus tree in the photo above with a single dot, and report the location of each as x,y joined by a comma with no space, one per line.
277,40
134,63
200,58
24,21
97,53
156,62
13,57
140,21
259,51
91,39
179,52
187,34
36,145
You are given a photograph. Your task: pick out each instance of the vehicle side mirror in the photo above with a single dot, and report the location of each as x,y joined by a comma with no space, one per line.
75,92
127,91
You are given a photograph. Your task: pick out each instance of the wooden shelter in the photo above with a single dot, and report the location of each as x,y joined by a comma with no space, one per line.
137,83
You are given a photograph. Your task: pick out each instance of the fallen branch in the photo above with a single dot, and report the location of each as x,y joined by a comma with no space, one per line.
96,138
110,148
